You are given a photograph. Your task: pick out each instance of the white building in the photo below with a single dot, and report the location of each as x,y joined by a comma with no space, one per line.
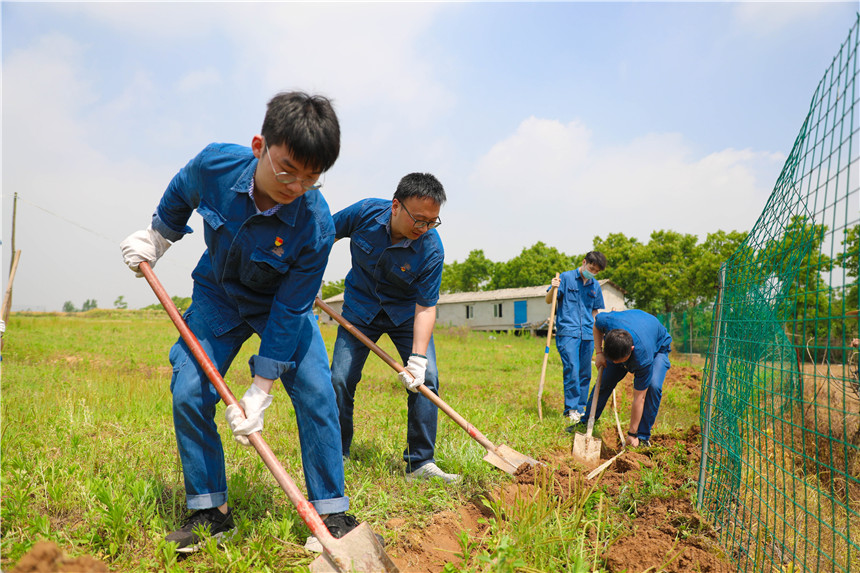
504,309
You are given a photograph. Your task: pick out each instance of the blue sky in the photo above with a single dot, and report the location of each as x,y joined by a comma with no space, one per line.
544,121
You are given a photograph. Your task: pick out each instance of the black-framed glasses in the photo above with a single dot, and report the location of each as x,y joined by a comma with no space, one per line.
416,224
288,178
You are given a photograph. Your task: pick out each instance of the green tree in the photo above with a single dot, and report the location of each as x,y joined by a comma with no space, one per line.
332,288
120,303
671,272
848,259
794,263
181,302
69,306
473,274
534,266
89,304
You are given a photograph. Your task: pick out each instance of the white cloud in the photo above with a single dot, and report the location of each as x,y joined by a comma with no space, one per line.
547,182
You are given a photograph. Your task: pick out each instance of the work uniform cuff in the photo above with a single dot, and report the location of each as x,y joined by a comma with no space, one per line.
159,225
268,367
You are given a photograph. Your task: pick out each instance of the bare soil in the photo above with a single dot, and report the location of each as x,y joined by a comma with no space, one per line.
46,557
666,533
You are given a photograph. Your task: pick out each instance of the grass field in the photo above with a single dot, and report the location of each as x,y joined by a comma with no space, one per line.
89,459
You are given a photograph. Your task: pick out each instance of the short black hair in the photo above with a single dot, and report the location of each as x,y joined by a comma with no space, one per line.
307,125
596,258
420,185
617,344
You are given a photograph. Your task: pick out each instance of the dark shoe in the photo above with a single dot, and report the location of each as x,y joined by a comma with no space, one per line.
203,522
338,524
580,427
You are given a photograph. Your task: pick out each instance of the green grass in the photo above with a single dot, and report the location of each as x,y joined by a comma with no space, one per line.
89,457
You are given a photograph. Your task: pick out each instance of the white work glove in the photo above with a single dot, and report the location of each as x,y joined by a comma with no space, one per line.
146,245
413,376
254,403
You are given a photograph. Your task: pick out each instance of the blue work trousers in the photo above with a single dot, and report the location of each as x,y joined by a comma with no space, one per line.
614,373
348,360
309,388
576,361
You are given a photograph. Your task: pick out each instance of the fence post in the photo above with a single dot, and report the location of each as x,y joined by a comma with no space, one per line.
706,431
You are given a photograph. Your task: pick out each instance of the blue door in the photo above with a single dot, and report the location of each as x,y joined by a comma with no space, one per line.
521,313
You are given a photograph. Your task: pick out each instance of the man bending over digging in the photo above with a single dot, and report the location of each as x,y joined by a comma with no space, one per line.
392,289
632,341
268,234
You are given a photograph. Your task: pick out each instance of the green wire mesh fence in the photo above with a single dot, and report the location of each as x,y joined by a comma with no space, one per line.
781,400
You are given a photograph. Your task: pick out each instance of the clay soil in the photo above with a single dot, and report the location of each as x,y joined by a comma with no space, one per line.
666,533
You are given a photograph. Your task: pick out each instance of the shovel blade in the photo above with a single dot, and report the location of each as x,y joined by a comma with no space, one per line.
358,550
586,449
508,459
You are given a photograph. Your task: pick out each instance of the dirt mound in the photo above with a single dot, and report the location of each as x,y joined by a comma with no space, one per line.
46,557
665,532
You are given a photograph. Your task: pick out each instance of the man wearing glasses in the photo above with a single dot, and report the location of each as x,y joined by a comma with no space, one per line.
268,233
392,289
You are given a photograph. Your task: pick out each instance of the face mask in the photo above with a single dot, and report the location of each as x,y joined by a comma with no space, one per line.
587,275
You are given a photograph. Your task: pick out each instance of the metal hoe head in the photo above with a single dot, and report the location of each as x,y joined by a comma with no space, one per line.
508,459
586,449
358,550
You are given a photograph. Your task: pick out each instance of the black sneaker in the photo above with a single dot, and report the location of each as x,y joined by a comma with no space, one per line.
578,427
208,522
338,524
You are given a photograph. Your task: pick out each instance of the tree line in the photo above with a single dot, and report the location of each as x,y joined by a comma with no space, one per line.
670,272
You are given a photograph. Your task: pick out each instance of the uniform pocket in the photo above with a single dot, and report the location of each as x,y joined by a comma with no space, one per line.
362,243
264,271
400,275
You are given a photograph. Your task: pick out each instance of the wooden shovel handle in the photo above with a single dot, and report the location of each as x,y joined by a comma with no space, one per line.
546,350
305,509
594,398
469,428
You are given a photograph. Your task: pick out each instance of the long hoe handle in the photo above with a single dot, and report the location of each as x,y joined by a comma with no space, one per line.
546,350
306,511
470,429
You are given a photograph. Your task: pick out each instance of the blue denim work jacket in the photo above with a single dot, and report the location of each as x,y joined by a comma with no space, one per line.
576,303
386,276
650,338
263,270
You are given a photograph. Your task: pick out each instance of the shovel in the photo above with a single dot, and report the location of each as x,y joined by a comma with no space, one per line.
503,457
358,550
546,350
586,449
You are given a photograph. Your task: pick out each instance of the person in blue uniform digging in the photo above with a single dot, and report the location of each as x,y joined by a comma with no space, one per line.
392,288
579,299
268,234
632,341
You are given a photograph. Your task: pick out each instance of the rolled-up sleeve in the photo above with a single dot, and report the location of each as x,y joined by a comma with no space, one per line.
180,199
431,281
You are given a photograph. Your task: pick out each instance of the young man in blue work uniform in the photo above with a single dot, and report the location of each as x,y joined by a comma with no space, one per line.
579,299
268,233
392,289
632,341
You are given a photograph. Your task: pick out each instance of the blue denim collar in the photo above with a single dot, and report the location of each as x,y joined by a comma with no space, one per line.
384,219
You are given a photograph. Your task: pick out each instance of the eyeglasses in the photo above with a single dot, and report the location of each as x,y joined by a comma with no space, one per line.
416,224
288,178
